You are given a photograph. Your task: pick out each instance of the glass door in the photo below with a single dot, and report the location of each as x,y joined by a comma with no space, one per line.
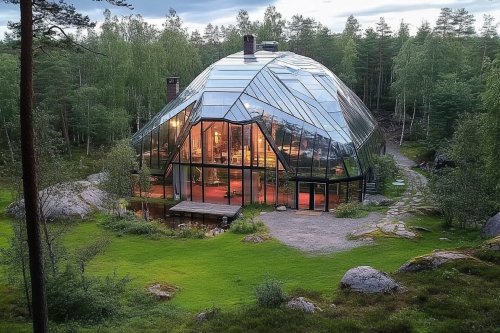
319,196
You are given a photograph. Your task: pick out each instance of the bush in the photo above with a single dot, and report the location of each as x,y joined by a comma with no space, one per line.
384,169
190,232
270,294
244,226
131,225
75,297
350,209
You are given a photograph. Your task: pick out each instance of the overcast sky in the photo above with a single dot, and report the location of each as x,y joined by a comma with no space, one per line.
196,14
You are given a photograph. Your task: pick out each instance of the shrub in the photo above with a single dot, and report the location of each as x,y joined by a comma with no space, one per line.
73,296
270,294
384,169
350,209
190,232
244,226
131,225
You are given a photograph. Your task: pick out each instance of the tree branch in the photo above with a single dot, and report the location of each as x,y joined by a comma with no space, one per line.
48,31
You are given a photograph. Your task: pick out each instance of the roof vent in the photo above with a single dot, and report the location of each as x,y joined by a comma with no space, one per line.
271,46
249,44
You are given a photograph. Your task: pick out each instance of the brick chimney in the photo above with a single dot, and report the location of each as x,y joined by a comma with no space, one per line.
249,44
172,88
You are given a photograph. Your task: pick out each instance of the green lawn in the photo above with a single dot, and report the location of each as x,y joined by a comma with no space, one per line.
223,271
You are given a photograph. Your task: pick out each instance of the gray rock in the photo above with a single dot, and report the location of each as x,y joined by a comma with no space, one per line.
281,208
97,178
422,229
366,279
301,303
444,239
155,290
79,198
202,316
405,234
253,239
432,261
215,232
377,200
492,227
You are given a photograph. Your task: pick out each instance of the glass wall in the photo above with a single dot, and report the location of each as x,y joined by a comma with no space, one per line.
227,163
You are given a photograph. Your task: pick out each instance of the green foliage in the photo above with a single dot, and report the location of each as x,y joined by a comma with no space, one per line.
246,226
270,293
72,296
385,170
119,164
450,97
466,193
350,210
131,225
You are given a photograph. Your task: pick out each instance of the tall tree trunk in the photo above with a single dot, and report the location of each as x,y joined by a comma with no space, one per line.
413,116
64,127
39,300
88,128
9,143
404,117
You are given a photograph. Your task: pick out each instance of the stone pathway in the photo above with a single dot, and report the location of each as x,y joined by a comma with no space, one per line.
413,200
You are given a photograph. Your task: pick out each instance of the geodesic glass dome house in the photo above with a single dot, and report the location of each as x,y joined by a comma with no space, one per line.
268,127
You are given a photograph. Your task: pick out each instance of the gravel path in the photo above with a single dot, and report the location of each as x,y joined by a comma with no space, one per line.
326,234
316,234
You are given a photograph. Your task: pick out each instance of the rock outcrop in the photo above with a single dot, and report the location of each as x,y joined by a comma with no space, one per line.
78,198
432,261
366,279
492,227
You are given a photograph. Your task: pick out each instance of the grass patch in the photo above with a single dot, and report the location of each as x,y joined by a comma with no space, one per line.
416,151
350,210
393,191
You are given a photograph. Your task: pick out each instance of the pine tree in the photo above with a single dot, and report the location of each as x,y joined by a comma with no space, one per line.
444,23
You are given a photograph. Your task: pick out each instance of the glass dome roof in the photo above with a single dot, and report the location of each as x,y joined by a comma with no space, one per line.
277,87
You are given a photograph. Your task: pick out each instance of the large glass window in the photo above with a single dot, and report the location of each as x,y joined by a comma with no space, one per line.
271,186
236,186
185,153
306,151
163,144
196,180
215,140
196,143
146,150
304,195
154,149
247,190
185,182
258,184
235,144
216,185
258,146
247,144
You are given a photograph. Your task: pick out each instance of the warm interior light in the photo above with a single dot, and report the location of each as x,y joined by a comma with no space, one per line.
216,137
174,123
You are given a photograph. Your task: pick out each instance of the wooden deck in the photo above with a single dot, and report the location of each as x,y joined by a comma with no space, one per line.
206,209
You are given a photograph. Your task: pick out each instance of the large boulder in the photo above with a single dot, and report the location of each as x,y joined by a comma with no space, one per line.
78,198
366,279
432,261
492,227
